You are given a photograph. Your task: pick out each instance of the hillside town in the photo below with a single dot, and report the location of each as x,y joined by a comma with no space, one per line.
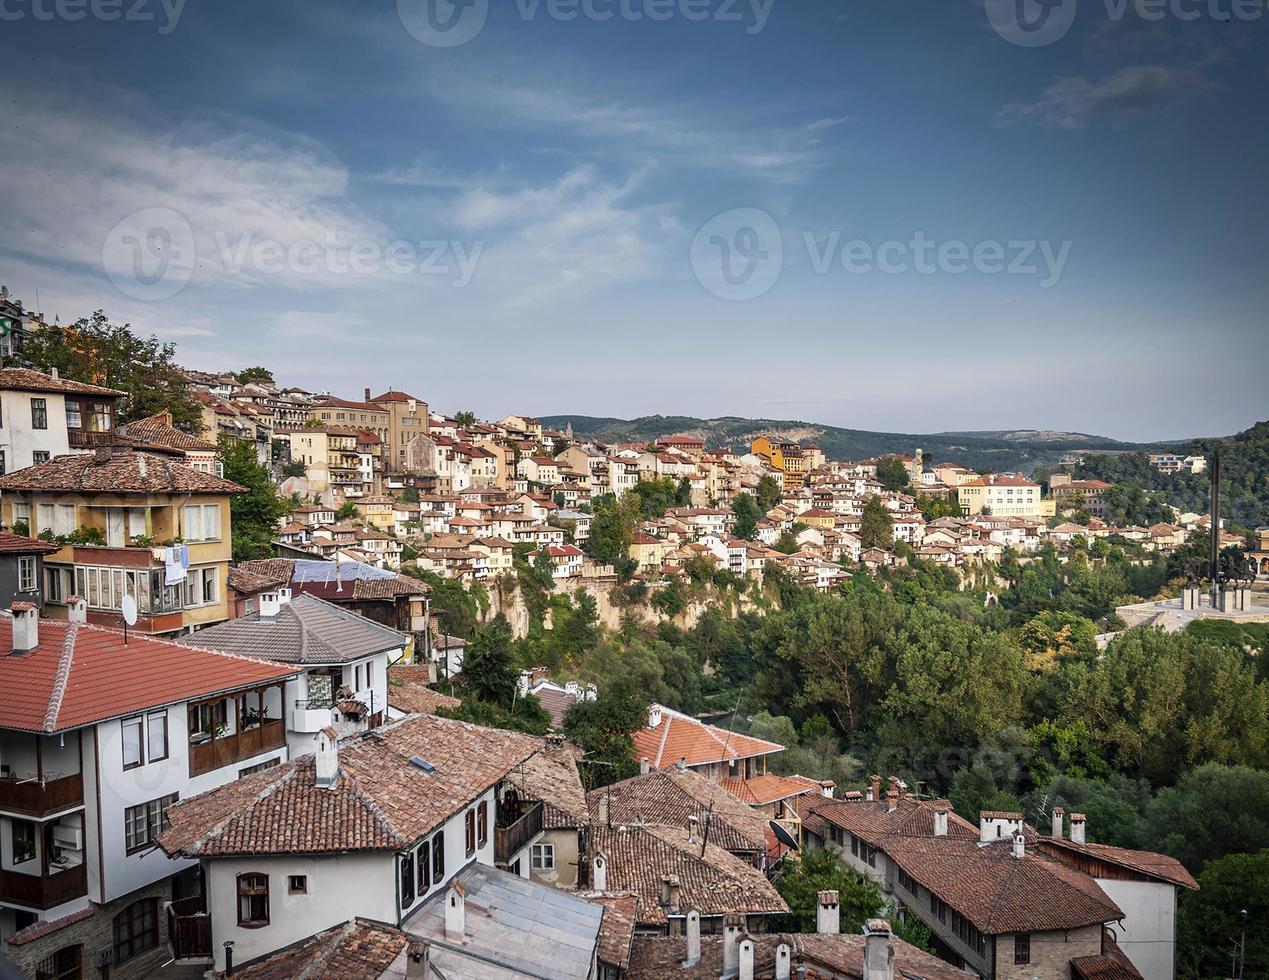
219,758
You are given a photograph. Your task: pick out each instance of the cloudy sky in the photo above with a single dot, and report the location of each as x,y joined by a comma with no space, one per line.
893,215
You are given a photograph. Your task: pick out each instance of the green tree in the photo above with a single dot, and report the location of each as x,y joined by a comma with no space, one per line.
489,668
1212,811
814,871
892,474
769,492
932,508
95,351
747,516
464,419
602,729
1232,901
612,527
347,511
255,513
876,526
248,375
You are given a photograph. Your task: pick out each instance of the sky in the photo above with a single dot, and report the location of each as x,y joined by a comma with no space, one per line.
909,215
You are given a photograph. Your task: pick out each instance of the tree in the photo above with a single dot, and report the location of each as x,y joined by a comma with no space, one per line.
464,419
877,526
932,508
255,514
820,870
347,511
602,729
293,469
248,375
1212,811
892,474
95,351
489,670
1232,901
974,790
769,492
747,516
612,527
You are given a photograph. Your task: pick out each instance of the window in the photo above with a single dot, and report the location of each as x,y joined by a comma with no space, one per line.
201,522
908,883
542,857
65,964
133,754
22,833
202,586
482,823
423,861
156,735
39,413
297,884
438,858
142,824
40,456
253,901
206,718
469,819
1022,948
407,879
74,418
26,574
136,929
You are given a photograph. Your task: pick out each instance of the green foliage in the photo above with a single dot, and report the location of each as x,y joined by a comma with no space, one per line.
1212,811
670,599
655,497
1126,504
892,474
247,375
935,507
602,729
347,511
786,544
95,351
877,525
457,609
527,715
819,870
489,668
1232,902
1115,809
293,469
974,789
769,492
255,513
748,514
613,527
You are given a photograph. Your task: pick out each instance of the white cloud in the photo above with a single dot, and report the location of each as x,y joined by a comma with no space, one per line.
1128,93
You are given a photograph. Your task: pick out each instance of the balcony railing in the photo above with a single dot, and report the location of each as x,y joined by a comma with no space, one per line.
225,750
189,930
38,798
85,439
513,838
44,891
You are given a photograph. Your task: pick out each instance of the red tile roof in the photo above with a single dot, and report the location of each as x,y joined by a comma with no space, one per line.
20,544
81,674
767,788
354,949
157,430
24,379
116,471
1110,965
681,737
1144,862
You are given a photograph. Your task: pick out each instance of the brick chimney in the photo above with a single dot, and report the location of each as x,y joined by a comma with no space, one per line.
783,962
1078,821
367,394
693,928
455,912
76,609
828,913
746,958
733,926
874,788
878,950
26,627
327,762
1057,815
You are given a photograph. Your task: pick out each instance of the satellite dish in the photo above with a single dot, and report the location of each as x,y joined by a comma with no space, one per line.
130,610
783,836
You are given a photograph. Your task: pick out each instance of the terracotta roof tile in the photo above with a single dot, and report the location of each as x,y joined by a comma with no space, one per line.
354,949
20,544
1146,862
157,430
116,471
408,690
24,379
681,737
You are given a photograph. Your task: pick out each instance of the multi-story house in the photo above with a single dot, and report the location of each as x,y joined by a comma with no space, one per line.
129,524
1003,495
42,416
407,418
99,735
388,820
329,410
1087,495
157,434
345,659
671,737
566,560
330,458
22,569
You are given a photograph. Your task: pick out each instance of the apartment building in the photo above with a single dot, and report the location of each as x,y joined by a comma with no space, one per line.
98,737
331,458
129,524
407,418
1003,495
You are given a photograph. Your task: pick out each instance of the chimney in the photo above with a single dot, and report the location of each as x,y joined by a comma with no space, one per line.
681,765
878,950
644,766
455,912
828,913
874,789
670,892
940,822
327,758
654,716
1058,814
1077,828
367,394
76,609
418,960
522,685
55,373
783,962
26,627
271,603
599,873
602,809
746,958
692,823
733,926
693,939
1019,846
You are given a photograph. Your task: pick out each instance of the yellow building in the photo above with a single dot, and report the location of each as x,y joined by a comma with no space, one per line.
378,511
1003,495
787,458
407,418
330,457
129,524
371,417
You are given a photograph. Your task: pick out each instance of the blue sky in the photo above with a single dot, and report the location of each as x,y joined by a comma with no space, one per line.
515,223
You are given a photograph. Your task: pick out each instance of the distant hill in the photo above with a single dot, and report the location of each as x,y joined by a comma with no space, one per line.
1000,450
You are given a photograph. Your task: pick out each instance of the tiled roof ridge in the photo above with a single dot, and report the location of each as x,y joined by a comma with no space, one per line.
217,830
64,663
665,734
338,935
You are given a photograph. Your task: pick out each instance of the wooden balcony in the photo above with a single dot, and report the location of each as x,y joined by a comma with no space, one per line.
228,749
44,891
39,798
514,837
189,930
83,439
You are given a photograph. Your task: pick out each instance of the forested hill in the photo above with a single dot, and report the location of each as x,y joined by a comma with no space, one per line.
999,451
1244,475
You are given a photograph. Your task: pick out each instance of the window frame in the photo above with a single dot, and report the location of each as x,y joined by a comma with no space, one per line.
469,831
167,741
438,857
482,823
141,920
39,414
28,573
150,819
252,891
124,724
539,855
405,879
1022,949
28,826
297,884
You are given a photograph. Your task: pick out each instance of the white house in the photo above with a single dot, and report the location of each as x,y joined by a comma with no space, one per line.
43,416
